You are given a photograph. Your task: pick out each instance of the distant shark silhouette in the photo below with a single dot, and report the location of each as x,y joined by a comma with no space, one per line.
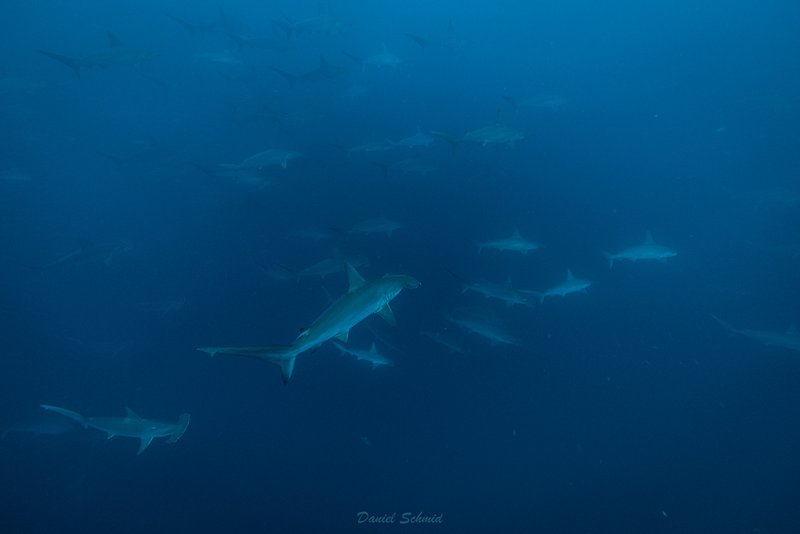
115,55
131,425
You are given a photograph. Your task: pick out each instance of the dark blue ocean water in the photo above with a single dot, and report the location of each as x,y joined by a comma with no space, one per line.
126,244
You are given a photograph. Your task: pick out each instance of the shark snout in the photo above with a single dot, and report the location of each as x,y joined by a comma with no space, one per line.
412,283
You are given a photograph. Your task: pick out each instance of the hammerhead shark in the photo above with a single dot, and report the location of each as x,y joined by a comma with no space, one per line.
131,425
115,54
362,300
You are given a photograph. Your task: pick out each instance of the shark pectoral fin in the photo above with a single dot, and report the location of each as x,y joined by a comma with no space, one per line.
287,367
343,336
388,315
144,443
180,428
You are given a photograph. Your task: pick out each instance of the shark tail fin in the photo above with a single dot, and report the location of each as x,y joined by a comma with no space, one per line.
512,101
382,166
281,355
180,428
68,61
423,43
66,413
447,137
610,258
357,60
291,78
725,325
187,26
293,272
238,39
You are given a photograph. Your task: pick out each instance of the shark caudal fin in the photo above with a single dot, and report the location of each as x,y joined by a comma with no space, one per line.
727,326
453,140
68,61
180,428
281,355
66,413
422,42
610,258
291,78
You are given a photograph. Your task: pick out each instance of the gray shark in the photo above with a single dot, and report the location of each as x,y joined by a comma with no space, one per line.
363,299
325,71
445,341
324,23
548,101
115,55
567,287
515,243
375,226
505,292
220,24
163,307
450,40
419,139
496,134
369,147
372,355
90,252
274,42
493,333
131,426
272,157
649,250
786,340
382,59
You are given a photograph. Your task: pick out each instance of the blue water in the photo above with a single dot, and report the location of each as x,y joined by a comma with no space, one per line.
125,245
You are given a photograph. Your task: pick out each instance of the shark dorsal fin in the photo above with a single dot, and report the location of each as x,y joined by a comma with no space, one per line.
113,41
648,238
343,336
373,349
130,413
570,276
516,232
354,279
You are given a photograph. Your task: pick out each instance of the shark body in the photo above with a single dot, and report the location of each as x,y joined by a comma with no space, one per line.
324,71
515,243
130,425
363,299
649,250
786,340
372,355
567,287
115,55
